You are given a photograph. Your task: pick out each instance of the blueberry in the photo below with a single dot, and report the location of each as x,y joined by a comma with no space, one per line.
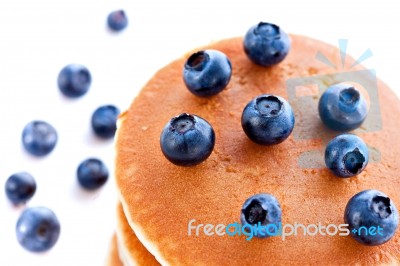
207,72
92,173
187,140
371,209
266,44
346,155
261,209
38,229
104,121
20,187
117,20
342,107
74,80
39,138
268,119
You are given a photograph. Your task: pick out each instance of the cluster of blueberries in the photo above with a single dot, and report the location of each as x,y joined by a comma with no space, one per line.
38,228
187,139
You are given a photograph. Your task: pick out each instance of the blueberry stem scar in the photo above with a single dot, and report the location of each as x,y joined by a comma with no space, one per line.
182,123
267,30
254,213
268,105
354,161
349,96
197,61
381,206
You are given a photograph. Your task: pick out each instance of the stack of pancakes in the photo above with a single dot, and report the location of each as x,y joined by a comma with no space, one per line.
158,199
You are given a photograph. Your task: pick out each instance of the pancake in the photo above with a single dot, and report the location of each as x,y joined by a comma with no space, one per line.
160,198
131,250
113,256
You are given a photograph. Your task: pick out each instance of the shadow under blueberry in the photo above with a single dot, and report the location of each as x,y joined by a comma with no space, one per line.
84,195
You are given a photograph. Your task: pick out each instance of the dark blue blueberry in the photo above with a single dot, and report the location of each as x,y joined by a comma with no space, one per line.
20,187
38,229
74,80
268,119
92,174
39,138
262,210
346,155
187,140
372,217
266,44
104,121
117,20
207,72
342,107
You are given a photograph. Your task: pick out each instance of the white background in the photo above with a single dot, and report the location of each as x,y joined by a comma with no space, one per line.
37,38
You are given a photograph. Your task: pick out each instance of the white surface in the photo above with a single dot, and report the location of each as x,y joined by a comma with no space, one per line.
37,38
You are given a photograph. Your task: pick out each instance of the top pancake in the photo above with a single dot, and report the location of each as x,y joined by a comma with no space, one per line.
161,198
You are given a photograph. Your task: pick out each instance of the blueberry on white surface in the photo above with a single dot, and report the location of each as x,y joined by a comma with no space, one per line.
38,229
104,121
20,187
117,20
74,80
39,138
92,174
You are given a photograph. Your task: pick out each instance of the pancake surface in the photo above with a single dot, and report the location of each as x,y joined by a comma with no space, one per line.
160,198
